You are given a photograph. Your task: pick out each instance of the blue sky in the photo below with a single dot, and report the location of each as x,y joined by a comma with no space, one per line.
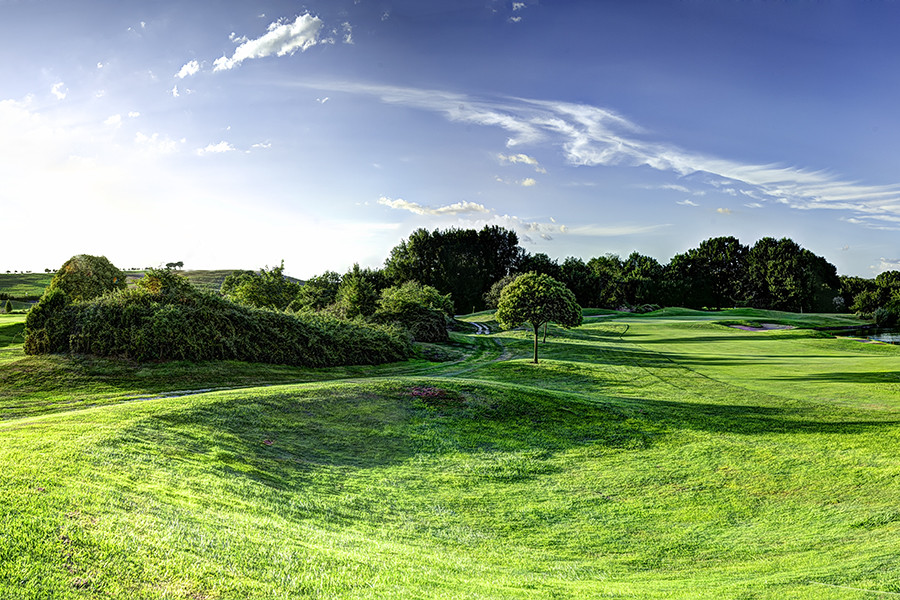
239,134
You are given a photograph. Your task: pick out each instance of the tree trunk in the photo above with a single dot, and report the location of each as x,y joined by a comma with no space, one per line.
537,331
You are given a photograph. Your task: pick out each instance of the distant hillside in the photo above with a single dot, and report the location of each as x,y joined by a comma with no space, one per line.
18,285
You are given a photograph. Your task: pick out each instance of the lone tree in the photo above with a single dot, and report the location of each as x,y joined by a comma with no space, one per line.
537,299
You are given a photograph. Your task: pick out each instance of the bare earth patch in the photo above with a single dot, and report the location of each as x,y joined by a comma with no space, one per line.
763,327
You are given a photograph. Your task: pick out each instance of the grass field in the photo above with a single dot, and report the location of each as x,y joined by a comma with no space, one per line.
655,456
34,284
24,284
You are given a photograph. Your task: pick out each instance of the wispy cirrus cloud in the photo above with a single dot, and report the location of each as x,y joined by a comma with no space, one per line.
282,38
615,230
594,136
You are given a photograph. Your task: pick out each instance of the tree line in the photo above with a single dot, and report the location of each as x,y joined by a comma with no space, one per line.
472,267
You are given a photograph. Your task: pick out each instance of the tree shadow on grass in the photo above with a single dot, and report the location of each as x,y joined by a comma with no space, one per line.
846,377
752,419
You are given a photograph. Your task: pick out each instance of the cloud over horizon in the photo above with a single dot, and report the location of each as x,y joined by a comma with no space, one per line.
450,209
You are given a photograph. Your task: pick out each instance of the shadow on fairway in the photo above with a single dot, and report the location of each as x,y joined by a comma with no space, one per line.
850,377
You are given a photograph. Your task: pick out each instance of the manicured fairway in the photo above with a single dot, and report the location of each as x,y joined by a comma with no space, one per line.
644,457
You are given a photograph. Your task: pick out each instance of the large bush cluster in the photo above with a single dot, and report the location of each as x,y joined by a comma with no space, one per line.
165,318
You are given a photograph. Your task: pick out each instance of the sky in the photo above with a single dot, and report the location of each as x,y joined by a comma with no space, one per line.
239,134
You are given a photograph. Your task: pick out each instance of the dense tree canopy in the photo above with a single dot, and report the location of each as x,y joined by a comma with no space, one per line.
269,288
461,262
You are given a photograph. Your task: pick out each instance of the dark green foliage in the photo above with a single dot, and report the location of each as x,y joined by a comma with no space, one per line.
267,289
7,308
174,321
49,323
84,277
582,280
318,292
357,295
889,314
876,293
422,323
163,282
492,296
420,309
539,263
397,298
461,262
537,299
784,276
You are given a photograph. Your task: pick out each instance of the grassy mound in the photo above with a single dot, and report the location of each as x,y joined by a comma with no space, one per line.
674,458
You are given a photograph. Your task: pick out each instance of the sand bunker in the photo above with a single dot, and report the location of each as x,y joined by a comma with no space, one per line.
763,327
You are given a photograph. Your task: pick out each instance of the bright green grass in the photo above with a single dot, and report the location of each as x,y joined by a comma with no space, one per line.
674,458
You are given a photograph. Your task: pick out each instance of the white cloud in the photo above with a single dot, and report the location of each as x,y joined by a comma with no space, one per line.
723,211
322,100
282,38
188,69
175,93
262,145
593,136
134,114
886,264
518,5
528,182
450,209
753,205
348,33
220,148
156,144
518,158
515,19
113,121
687,202
58,91
522,159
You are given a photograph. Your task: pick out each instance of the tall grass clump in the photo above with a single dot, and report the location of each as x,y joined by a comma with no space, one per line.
165,318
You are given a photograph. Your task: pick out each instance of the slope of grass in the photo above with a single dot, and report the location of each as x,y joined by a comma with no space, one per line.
24,284
674,458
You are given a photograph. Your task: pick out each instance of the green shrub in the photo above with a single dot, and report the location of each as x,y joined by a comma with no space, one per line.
423,324
49,323
397,298
172,322
83,277
889,314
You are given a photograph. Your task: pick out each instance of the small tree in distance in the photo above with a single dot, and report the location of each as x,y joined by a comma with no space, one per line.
537,299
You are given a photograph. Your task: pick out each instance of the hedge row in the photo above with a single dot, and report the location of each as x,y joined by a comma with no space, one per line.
141,325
